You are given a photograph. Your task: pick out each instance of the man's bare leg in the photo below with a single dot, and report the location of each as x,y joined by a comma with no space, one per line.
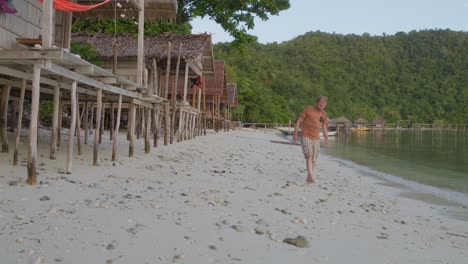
310,169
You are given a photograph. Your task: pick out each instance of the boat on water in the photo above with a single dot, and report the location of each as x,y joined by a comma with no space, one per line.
289,131
359,128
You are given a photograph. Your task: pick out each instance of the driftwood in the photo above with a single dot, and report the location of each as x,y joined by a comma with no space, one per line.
285,142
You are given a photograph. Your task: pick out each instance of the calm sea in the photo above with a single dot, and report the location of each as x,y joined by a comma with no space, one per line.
430,161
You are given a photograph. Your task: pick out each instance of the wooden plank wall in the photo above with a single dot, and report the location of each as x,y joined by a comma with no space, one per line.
26,23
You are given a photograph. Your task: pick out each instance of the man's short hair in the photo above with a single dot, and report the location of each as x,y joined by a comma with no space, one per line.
322,98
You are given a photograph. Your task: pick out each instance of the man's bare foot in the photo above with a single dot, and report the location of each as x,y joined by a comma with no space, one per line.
310,180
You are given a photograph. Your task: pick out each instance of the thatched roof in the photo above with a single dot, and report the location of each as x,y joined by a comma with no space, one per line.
196,48
379,121
232,97
360,120
154,9
216,84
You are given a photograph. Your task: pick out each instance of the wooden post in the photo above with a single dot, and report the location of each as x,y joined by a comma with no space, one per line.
141,41
32,148
148,131
199,99
20,120
156,113
86,124
91,121
166,122
3,116
131,126
117,127
155,78
138,122
59,132
174,95
101,127
180,124
78,124
168,69
13,121
186,81
112,122
47,24
55,121
98,126
71,132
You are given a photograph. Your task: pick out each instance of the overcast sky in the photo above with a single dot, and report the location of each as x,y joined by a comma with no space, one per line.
352,17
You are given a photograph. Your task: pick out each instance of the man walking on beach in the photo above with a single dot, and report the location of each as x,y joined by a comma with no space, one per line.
313,118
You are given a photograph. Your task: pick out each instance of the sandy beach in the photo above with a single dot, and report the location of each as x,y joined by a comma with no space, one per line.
228,197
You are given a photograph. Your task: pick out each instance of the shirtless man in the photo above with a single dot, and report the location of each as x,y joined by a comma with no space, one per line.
313,118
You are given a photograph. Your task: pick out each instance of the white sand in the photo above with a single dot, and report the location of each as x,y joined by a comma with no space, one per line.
199,201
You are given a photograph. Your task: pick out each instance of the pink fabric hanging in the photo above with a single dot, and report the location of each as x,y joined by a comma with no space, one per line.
4,7
67,6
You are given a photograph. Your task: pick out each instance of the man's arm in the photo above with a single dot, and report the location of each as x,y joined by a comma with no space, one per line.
296,127
325,132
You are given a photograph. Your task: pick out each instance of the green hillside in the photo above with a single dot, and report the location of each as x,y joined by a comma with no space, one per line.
421,76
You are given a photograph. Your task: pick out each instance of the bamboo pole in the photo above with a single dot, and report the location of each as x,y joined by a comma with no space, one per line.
112,122
97,127
117,127
20,120
147,129
186,81
55,121
71,132
131,129
3,116
166,123
168,69
180,123
156,113
102,122
174,95
59,132
78,124
86,124
32,147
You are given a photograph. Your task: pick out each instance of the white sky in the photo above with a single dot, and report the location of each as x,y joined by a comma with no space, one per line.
352,17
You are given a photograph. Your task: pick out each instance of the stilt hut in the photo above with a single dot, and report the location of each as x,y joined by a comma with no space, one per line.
35,63
215,89
229,100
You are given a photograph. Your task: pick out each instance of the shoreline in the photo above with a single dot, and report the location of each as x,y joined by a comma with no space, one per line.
228,197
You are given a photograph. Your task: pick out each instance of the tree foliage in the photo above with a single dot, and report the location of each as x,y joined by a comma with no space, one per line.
420,76
235,17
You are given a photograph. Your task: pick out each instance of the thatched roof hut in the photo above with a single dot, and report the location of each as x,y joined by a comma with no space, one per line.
154,9
216,84
379,121
360,121
196,49
232,97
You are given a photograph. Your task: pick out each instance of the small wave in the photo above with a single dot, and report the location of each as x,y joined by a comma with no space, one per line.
449,195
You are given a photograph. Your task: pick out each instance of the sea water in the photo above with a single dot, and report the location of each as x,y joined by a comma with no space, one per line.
428,161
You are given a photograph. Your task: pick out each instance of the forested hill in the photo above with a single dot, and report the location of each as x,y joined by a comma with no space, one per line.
421,76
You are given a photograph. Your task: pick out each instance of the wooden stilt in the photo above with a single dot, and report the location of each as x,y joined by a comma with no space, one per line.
59,128
116,131
168,70
101,127
98,126
166,122
55,121
20,120
85,123
32,148
91,121
156,113
71,132
138,122
180,124
112,122
13,121
132,129
3,116
147,130
78,124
